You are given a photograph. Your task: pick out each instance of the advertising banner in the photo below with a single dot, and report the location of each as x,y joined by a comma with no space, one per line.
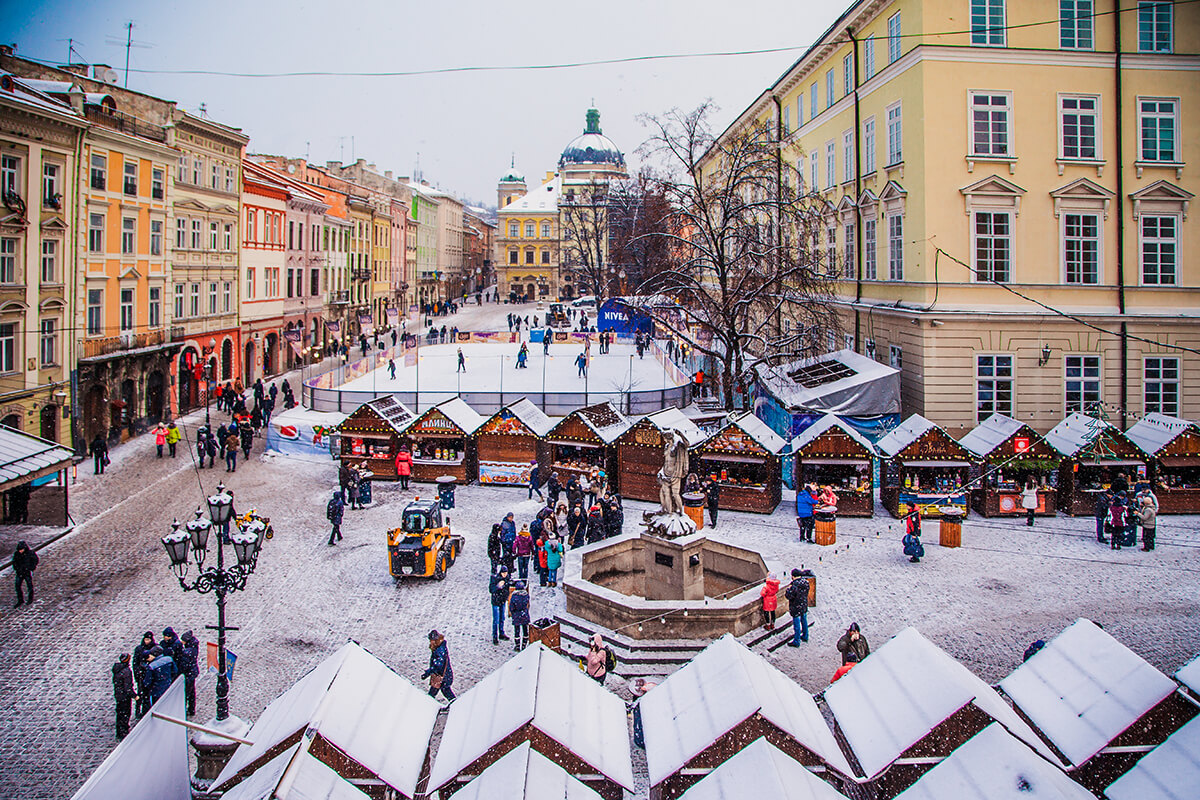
504,473
393,317
366,324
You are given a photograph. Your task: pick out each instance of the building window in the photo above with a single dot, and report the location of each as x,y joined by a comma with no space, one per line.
95,312
51,192
156,237
847,156
545,230
251,214
212,236
1078,118
49,261
179,301
849,231
227,295
181,169
154,309
987,22
830,164
128,236
157,183
126,310
291,274
847,74
216,176
869,57
1081,248
49,342
870,270
227,242
993,246
895,142
869,146
1154,27
250,283
291,235
512,256
893,34
814,171
314,284
96,233
194,301
799,110
181,224
1160,246
895,247
1075,24
812,102
1161,380
993,386
196,234
787,120
229,185
545,256
1158,126
9,178
989,124
528,256
273,282
529,230
8,260
131,173
1082,384
8,347
895,357
99,171
212,297
514,230
197,170
829,98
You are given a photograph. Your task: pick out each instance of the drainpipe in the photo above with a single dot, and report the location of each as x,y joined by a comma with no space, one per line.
858,233
778,195
1120,103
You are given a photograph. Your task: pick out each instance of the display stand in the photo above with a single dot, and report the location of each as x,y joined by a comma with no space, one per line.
743,457
1010,454
832,453
925,469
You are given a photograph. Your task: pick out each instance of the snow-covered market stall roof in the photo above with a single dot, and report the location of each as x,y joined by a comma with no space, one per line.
828,422
525,774
515,416
454,411
917,439
351,707
994,765
1084,688
1189,676
295,775
1170,771
672,418
842,382
1081,436
604,424
717,697
761,770
899,694
151,763
1153,433
25,458
744,433
551,703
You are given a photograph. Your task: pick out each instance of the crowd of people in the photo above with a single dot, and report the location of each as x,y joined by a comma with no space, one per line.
147,673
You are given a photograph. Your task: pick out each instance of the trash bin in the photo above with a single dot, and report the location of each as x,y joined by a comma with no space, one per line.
445,489
546,631
825,527
811,577
693,506
950,529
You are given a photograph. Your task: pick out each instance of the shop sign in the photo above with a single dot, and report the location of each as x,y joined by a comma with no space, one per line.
432,424
1021,444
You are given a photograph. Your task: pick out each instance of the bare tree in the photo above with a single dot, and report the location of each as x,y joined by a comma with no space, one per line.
639,215
747,283
583,213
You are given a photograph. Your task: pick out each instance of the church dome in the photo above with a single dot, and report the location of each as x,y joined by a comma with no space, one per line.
513,175
591,147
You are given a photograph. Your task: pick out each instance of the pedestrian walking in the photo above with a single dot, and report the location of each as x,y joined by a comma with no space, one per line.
201,442
1029,500
508,535
806,503
498,587
210,447
160,672
523,549
140,664
912,537
518,612
599,660
712,497
535,480
333,512
588,490
547,335
99,450
24,562
231,451
577,525
595,525
189,665
614,518
554,555
539,546
1103,502
160,438
173,437
403,467
770,600
123,693
495,548
1147,515
355,489
462,361
247,435
1116,522
553,489
441,676
853,643
391,369
797,597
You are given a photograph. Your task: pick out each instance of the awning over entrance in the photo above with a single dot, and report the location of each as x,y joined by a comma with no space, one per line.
25,458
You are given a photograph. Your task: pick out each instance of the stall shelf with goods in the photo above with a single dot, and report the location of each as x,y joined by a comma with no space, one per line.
1010,454
744,457
1173,445
924,468
441,442
585,440
371,435
509,443
640,451
832,453
1095,455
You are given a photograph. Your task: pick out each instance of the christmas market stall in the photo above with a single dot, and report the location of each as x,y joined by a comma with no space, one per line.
640,451
923,468
441,443
1010,454
1173,445
1095,455
832,453
510,441
371,435
744,457
586,439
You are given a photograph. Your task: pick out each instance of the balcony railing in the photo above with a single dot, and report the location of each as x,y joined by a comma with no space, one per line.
126,123
339,297
126,341
361,273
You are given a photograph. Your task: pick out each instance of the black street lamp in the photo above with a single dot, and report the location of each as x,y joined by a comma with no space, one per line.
220,579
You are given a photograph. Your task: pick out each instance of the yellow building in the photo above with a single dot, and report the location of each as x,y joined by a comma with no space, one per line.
1004,191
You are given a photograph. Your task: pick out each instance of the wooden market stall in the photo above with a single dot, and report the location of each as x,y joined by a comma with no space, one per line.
924,467
1095,454
744,456
441,441
832,453
372,435
1173,445
1010,454
510,441
639,451
586,439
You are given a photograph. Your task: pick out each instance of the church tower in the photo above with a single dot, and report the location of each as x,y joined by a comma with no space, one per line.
511,187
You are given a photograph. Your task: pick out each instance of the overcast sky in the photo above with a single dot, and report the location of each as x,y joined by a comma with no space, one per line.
463,126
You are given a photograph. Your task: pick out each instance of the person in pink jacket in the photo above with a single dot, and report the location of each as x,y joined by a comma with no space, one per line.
160,438
770,601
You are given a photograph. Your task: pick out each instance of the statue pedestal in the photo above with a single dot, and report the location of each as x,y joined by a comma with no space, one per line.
668,526
213,753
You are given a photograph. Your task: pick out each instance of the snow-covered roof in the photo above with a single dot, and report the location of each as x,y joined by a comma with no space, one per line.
1170,771
672,418
904,434
757,430
542,200
37,94
392,411
604,420
543,689
24,457
825,423
371,714
714,692
457,411
151,763
295,775
990,434
1189,675
1076,432
993,765
534,418
842,382
1153,432
761,770
1084,688
905,689
525,774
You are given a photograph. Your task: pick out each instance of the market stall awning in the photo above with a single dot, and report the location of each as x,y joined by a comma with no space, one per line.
1079,432
827,423
25,458
1154,432
843,382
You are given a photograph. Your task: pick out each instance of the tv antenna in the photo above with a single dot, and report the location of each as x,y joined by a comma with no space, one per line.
128,44
72,50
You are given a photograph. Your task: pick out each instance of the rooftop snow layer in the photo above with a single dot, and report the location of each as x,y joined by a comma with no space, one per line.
23,455
673,418
294,775
1153,432
757,430
905,434
533,417
525,774
713,693
1170,771
544,689
990,434
1189,675
457,411
605,421
761,770
994,765
825,423
1074,433
1084,688
542,200
866,388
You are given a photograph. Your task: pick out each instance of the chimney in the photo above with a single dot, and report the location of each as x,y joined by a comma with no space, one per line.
387,173
7,49
372,167
78,69
75,95
360,162
333,165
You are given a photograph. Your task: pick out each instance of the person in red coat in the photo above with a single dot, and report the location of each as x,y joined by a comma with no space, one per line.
403,467
770,601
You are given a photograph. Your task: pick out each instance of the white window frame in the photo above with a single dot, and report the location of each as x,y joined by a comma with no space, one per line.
127,311
197,239
194,300
50,271
197,171
995,381
227,297
8,347
227,242
895,253
212,297
48,341
985,30
154,307
98,168
1080,115
128,236
1158,114
830,164
787,120
1082,362
847,156
8,260
10,174
990,110
812,105
894,34
869,57
96,232
985,273
94,319
178,306
870,248
1154,380
51,173
156,237
829,98
1156,7
158,183
847,74
831,249
129,173
868,145
230,186
1063,240
895,134
213,236
815,170
850,233
1075,21
895,357
1158,240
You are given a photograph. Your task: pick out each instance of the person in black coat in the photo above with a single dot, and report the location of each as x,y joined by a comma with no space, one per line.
595,525
574,492
440,674
614,520
518,612
334,511
172,646
553,489
123,694
247,436
139,672
495,548
712,496
222,436
24,562
189,665
210,447
576,524
160,672
99,451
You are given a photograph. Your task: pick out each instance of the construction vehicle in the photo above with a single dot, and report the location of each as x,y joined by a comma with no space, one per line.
557,318
422,546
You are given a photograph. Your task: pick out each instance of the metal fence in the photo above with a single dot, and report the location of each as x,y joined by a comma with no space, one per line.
554,404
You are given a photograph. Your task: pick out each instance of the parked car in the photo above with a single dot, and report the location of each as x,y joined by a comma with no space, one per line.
586,301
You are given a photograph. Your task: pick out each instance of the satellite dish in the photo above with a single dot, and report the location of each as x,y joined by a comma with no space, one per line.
109,75
291,168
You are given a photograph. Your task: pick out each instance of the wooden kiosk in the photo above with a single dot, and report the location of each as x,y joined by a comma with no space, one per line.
1010,453
639,451
924,468
745,457
372,434
584,439
831,453
1173,445
510,441
1094,453
441,442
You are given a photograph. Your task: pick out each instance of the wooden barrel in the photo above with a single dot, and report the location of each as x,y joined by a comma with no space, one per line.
950,531
825,531
693,506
